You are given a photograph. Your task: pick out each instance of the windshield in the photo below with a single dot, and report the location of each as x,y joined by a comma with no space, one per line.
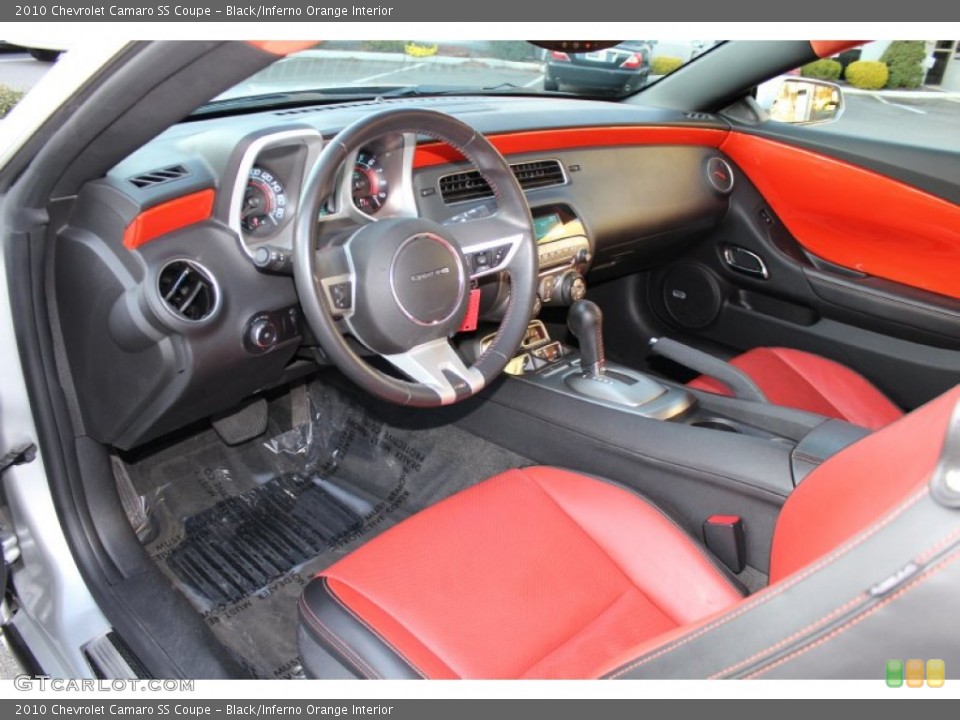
434,67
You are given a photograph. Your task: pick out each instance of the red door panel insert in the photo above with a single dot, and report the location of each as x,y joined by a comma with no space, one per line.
855,217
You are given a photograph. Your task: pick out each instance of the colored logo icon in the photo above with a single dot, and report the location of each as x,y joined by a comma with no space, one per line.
936,673
912,672
894,673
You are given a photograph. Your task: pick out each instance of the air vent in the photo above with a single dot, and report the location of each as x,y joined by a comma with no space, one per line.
463,186
188,290
174,172
699,116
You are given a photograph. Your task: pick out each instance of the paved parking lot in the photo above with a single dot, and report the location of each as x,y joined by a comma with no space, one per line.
930,121
20,71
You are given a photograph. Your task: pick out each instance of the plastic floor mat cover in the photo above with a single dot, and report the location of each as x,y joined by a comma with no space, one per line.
241,529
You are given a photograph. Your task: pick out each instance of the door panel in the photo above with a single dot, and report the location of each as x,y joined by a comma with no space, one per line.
854,217
904,338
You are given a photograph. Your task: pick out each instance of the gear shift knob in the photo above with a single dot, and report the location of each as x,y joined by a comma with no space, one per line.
585,321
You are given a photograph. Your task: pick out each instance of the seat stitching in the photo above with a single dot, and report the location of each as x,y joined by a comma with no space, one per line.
590,622
786,641
785,359
332,593
338,642
929,553
707,556
771,592
921,558
926,575
598,546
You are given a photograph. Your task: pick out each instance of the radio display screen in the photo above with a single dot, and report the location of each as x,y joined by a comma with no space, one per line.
543,225
555,222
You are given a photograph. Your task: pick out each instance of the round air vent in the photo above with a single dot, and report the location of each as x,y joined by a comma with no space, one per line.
720,175
188,290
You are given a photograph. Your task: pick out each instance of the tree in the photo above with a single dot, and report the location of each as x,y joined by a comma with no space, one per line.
904,59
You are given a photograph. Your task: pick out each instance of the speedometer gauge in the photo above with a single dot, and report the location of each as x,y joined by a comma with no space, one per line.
264,203
369,183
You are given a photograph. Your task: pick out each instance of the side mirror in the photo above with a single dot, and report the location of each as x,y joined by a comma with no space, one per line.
803,101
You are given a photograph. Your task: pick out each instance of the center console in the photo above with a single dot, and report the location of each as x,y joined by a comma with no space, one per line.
697,453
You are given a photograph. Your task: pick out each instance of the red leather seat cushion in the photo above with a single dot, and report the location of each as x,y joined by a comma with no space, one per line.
858,486
797,379
535,573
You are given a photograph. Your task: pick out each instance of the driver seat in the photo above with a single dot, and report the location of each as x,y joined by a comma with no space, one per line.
544,573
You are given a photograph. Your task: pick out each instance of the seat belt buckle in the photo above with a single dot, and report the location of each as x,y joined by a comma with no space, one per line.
724,537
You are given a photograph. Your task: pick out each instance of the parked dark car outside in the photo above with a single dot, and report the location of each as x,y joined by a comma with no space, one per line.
621,69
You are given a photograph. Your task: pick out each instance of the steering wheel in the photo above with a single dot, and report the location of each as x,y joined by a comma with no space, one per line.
401,286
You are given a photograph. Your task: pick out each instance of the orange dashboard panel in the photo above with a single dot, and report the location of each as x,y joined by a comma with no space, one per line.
855,217
168,216
570,138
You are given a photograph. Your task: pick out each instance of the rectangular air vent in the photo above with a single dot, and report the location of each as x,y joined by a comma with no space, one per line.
463,186
155,177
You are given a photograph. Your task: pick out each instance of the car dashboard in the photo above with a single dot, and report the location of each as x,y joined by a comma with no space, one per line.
173,272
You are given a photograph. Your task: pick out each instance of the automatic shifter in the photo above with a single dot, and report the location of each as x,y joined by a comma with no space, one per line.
592,379
585,320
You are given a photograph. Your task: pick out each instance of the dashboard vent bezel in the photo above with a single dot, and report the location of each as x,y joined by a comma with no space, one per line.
194,287
159,176
531,174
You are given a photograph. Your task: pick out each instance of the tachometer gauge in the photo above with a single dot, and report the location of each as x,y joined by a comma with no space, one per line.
369,183
264,203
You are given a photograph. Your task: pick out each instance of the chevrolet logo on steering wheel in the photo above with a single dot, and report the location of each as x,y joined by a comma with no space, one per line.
419,277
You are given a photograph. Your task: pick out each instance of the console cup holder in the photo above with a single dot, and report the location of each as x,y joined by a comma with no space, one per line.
717,424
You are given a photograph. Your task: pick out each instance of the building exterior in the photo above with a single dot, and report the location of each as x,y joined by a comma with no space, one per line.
943,62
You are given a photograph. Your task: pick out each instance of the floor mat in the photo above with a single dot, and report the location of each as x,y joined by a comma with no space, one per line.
242,544
241,529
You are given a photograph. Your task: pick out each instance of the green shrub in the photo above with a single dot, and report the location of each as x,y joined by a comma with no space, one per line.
664,64
867,74
8,98
904,59
822,70
385,46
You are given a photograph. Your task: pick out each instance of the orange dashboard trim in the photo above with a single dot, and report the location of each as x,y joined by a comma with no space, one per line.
436,153
854,217
168,216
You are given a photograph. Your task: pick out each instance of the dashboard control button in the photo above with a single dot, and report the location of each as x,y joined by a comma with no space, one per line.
572,288
263,333
273,259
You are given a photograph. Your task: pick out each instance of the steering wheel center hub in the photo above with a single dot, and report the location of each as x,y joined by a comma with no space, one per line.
427,279
412,283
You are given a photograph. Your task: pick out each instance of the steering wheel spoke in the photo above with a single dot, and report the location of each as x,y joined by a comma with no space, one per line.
489,244
437,365
336,277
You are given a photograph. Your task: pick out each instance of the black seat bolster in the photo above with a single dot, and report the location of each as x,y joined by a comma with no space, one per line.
330,634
